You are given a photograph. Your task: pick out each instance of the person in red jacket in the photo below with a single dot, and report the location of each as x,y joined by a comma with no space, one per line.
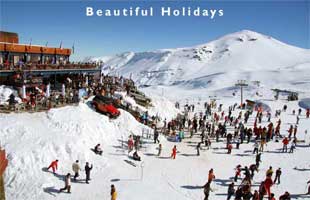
285,142
308,113
272,197
53,165
174,152
268,183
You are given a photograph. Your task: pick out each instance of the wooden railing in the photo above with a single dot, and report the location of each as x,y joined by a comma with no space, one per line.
49,66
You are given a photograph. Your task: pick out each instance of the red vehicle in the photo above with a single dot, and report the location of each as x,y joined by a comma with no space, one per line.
105,106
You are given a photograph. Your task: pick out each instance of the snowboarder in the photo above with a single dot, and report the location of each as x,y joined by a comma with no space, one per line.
159,150
278,175
174,152
87,171
54,166
231,190
67,184
98,149
76,168
113,193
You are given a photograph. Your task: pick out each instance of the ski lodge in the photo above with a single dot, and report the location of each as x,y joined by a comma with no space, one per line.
38,59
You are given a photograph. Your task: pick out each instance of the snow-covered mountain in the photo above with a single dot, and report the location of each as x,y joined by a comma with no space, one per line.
219,63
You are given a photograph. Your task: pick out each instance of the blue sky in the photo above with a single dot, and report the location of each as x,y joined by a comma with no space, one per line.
56,21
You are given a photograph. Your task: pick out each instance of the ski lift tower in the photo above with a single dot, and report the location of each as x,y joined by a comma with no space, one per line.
241,84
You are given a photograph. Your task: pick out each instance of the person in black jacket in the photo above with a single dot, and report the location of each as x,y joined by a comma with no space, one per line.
87,171
278,175
285,196
231,190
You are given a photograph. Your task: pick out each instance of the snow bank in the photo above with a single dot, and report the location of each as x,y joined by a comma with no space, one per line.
32,141
5,93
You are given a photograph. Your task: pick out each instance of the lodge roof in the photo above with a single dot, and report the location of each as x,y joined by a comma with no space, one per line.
9,43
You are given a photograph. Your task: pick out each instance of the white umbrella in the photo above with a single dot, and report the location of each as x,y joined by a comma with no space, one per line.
63,91
24,92
48,90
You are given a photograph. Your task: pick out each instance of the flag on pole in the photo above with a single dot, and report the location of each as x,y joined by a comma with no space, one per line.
46,43
30,41
73,48
60,46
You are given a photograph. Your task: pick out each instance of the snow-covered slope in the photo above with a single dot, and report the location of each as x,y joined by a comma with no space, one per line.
217,64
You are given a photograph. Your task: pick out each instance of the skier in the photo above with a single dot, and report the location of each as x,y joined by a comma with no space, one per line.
159,150
174,152
113,193
87,171
67,184
231,190
76,168
98,150
278,175
54,166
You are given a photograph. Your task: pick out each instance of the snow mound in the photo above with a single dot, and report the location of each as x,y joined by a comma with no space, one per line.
5,93
66,134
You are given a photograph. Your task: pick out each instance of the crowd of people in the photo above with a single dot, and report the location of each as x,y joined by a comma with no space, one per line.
212,125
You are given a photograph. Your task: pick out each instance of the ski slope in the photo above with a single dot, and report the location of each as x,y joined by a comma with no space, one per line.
242,55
